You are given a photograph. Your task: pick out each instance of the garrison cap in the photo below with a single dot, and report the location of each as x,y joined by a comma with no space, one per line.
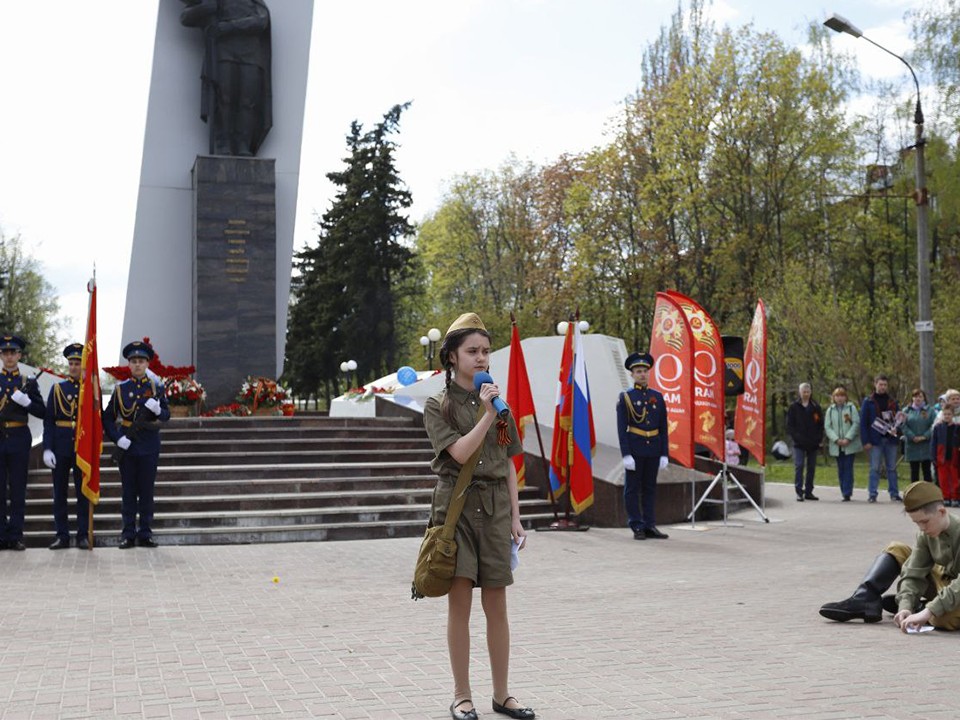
919,494
138,348
73,351
12,342
638,360
467,321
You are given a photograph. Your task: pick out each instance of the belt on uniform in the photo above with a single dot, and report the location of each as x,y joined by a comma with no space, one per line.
65,423
643,433
13,423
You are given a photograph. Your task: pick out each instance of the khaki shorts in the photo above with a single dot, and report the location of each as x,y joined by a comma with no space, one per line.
483,530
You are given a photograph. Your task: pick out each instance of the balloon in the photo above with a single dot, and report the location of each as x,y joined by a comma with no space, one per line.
406,375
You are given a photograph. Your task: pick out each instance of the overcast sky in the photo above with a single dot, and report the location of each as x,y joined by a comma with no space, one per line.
488,78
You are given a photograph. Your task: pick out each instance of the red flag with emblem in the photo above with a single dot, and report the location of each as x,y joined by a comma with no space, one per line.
519,397
562,419
88,443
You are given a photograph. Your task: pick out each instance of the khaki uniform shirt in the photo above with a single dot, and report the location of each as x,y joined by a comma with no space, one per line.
494,461
943,550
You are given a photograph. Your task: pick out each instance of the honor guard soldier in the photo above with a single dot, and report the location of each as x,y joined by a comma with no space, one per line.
132,420
59,435
642,428
18,396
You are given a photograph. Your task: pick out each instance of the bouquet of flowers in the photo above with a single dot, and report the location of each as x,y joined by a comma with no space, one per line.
184,391
231,410
261,392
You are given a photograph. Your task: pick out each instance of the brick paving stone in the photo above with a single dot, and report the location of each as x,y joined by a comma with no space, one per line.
713,623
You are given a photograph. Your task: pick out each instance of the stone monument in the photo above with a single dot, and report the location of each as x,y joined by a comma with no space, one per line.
213,243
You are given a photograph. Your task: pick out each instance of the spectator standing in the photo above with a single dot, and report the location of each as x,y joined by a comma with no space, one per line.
842,427
731,448
879,436
917,425
945,436
805,428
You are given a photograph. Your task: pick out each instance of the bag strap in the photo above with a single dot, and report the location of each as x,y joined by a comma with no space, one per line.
459,497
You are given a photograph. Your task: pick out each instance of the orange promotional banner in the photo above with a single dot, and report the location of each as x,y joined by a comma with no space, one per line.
519,398
88,442
708,375
751,421
671,344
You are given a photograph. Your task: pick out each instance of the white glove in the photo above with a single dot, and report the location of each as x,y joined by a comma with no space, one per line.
664,461
153,376
153,405
20,398
49,459
123,443
629,463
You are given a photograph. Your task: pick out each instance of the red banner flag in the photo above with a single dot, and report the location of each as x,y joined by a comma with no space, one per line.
708,371
751,420
671,344
562,420
88,443
519,397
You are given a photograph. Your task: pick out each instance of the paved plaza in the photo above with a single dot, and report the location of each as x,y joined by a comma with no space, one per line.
717,623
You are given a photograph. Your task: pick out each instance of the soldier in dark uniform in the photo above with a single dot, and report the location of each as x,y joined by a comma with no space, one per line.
59,434
132,420
642,427
18,396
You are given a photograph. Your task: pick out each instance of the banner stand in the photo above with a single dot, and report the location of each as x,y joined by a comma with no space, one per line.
727,479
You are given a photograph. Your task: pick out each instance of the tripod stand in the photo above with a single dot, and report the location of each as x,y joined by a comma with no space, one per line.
726,478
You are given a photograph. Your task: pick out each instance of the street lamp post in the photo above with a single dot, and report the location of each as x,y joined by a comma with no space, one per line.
347,367
924,324
429,342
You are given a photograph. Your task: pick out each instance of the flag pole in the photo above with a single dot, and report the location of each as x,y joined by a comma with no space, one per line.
566,523
543,454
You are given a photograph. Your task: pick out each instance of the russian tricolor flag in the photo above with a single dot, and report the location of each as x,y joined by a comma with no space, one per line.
583,439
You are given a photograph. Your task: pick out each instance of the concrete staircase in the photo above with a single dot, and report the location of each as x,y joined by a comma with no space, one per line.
274,479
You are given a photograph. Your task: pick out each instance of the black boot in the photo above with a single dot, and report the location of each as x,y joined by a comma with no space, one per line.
865,603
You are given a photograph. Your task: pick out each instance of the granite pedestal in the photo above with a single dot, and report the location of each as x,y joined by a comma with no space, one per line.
234,282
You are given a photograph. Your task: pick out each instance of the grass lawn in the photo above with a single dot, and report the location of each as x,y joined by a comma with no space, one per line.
826,476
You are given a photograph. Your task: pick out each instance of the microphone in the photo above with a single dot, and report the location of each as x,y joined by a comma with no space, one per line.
499,405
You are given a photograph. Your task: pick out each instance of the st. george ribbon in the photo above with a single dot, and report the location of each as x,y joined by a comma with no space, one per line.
499,405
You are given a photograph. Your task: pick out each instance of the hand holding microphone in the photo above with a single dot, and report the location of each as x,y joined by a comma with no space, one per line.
483,378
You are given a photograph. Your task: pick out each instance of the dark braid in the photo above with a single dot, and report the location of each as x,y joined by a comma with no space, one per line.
451,342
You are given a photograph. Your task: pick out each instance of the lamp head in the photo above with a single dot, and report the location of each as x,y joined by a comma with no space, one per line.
838,23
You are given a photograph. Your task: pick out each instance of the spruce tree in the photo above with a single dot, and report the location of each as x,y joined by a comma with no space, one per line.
347,287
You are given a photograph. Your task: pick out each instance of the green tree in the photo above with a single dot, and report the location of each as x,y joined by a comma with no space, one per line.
29,306
349,288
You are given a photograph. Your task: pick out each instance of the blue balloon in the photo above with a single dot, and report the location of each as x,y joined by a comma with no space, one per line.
406,375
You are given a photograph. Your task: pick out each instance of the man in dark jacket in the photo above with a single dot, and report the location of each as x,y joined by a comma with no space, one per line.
805,428
878,431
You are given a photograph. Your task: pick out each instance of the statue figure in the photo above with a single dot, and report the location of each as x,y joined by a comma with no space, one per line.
236,98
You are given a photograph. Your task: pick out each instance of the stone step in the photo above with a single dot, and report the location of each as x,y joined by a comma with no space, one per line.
290,445
280,456
270,533
170,434
38,491
239,473
38,531
271,421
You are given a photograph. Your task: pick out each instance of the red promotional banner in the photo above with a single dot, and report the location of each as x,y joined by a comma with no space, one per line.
671,344
751,421
708,376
